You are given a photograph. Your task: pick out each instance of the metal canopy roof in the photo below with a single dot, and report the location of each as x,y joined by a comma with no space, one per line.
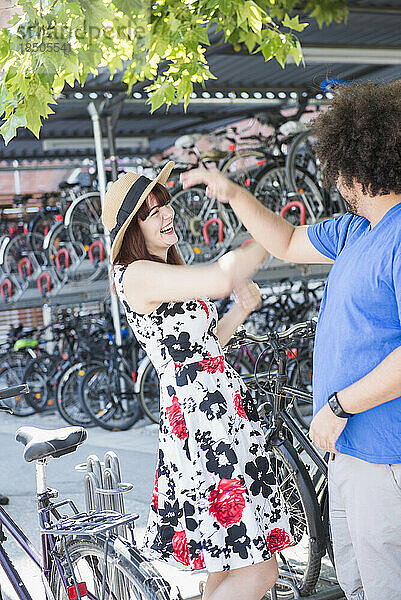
368,47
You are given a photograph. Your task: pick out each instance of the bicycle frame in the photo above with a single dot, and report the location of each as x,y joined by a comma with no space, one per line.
42,560
280,414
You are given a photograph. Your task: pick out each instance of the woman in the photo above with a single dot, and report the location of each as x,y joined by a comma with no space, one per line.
215,505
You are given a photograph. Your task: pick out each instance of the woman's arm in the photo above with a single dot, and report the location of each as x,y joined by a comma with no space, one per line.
247,299
147,284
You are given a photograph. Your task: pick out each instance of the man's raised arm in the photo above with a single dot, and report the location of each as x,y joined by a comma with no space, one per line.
274,233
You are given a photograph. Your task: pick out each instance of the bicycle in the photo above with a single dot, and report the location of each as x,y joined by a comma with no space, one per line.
82,555
304,490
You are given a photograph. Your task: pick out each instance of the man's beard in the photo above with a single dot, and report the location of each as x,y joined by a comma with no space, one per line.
351,204
351,207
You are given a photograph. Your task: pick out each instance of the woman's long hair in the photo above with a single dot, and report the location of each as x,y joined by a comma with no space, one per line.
133,246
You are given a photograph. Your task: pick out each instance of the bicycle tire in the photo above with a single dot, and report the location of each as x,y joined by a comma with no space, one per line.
150,406
100,396
298,492
290,162
128,569
36,375
67,396
11,376
302,409
192,211
18,247
271,189
54,241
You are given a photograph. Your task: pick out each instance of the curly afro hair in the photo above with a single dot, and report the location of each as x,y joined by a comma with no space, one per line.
359,137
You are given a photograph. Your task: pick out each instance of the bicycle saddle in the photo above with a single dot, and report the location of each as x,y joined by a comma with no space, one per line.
43,443
187,140
213,154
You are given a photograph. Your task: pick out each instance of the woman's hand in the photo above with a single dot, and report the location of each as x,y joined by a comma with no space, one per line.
248,297
217,186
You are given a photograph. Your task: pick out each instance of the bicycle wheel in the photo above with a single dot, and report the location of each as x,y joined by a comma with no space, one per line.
67,395
20,246
299,564
271,189
238,362
149,393
301,156
193,210
244,166
109,398
301,377
83,219
84,226
125,575
37,375
10,376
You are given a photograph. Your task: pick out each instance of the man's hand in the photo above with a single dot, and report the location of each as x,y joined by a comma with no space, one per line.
217,186
326,428
247,296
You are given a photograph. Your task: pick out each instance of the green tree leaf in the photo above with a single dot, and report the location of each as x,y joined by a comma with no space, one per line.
163,42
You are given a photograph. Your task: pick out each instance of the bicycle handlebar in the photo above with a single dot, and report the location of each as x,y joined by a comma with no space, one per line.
306,327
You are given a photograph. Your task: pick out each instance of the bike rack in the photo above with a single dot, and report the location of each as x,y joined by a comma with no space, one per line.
103,487
24,262
206,227
100,258
10,289
295,204
48,283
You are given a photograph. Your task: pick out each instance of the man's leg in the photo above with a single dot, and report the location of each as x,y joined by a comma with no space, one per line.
372,502
347,568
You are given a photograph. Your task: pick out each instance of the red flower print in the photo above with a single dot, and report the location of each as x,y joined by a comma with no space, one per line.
176,419
278,539
204,306
180,545
199,562
227,502
155,495
213,364
239,409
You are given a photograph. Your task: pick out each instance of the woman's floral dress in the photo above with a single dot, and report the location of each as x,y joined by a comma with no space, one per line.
215,504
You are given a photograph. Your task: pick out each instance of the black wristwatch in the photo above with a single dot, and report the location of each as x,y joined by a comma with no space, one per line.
337,408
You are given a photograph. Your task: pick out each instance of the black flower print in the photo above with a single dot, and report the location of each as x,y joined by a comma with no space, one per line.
189,511
171,513
214,405
221,460
187,373
171,309
262,476
238,540
180,348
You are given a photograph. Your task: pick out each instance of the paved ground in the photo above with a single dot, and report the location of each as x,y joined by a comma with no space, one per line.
136,450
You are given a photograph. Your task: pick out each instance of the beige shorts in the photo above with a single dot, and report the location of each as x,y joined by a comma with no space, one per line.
365,517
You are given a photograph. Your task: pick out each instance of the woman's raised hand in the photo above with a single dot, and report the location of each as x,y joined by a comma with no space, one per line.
217,186
247,295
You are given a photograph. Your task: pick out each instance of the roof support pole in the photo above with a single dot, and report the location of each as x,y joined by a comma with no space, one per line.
101,176
112,147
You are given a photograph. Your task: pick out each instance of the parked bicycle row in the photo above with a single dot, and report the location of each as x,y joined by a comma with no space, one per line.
74,366
63,241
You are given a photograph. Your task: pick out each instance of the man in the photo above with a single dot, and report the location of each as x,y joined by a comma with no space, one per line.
357,356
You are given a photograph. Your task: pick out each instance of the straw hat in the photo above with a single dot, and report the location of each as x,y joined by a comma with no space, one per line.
124,198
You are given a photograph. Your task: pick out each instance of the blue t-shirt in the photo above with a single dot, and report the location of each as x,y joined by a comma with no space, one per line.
359,325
